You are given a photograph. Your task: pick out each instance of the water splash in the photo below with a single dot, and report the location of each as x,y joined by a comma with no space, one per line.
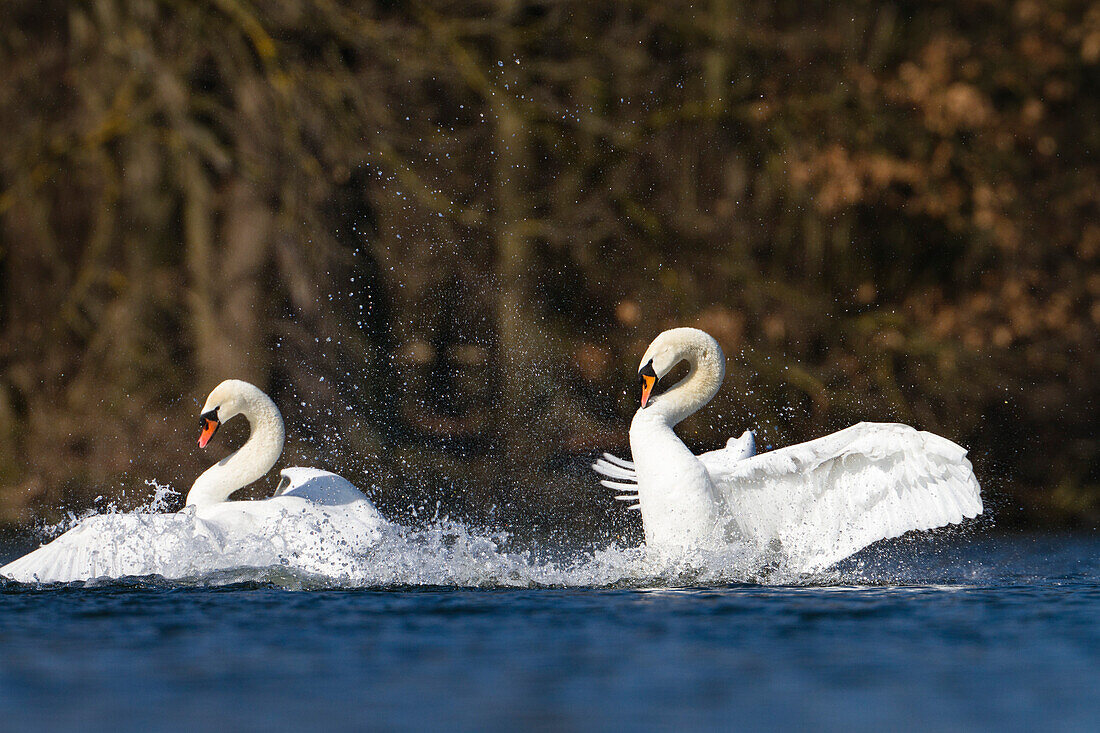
162,501
317,548
164,497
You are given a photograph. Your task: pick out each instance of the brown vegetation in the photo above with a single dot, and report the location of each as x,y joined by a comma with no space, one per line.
441,233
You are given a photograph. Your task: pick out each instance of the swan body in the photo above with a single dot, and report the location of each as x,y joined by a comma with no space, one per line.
816,502
314,519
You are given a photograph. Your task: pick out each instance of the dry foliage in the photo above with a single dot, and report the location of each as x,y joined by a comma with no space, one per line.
441,233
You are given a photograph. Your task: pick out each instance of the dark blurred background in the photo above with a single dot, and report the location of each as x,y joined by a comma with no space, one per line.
441,235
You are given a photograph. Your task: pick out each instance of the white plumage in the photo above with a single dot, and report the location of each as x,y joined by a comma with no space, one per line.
283,531
316,522
817,502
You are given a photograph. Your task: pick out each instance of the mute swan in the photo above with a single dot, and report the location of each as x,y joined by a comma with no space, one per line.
259,453
309,509
816,502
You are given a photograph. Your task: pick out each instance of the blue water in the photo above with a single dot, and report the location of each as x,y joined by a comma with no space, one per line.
953,633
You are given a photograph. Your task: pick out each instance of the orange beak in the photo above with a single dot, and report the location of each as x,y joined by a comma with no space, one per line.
647,387
209,427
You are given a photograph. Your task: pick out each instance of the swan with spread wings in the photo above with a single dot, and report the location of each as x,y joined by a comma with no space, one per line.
816,502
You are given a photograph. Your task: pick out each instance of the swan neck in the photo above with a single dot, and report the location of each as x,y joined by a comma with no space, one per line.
706,369
248,463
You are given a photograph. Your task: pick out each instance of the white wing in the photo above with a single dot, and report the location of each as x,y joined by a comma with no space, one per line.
626,477
827,499
320,487
116,545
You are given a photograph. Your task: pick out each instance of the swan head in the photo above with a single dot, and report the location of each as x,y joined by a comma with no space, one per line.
226,401
669,349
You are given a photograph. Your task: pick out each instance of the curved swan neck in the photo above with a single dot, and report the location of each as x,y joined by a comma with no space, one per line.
253,459
707,369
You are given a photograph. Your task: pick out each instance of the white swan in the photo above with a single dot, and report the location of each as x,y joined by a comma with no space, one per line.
315,521
816,502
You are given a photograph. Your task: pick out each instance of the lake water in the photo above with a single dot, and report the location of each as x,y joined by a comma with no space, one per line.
948,633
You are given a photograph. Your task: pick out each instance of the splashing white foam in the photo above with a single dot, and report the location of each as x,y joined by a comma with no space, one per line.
298,544
163,497
307,545
161,501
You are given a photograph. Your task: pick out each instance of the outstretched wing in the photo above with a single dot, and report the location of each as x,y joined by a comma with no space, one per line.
827,499
118,545
65,559
625,477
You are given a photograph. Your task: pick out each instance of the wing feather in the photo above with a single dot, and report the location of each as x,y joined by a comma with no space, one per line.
620,486
827,499
614,470
620,462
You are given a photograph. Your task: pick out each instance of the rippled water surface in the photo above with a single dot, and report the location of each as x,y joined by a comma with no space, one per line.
943,633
